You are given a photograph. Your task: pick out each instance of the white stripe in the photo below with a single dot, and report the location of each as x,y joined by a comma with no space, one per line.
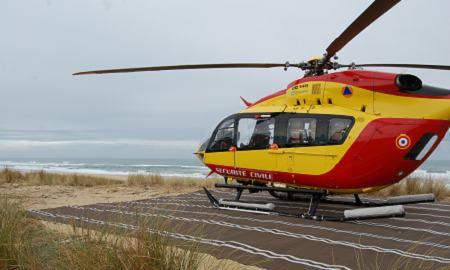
400,228
430,215
423,221
425,208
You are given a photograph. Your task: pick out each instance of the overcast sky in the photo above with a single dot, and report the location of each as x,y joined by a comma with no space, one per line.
47,112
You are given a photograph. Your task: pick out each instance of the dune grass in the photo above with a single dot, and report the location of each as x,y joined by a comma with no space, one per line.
148,180
417,185
43,178
25,243
172,182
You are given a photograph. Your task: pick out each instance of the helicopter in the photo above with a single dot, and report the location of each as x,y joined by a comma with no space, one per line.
346,132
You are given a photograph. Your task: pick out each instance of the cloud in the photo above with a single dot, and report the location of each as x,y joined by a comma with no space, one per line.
29,143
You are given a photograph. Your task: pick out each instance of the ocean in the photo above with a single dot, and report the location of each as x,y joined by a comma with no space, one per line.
438,169
111,166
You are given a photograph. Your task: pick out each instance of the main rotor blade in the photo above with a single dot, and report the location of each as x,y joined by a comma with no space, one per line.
371,14
402,65
201,66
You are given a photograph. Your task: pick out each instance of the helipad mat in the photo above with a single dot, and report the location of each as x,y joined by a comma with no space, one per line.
280,242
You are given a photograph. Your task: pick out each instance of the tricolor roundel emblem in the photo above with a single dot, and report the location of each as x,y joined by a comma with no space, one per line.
347,91
403,141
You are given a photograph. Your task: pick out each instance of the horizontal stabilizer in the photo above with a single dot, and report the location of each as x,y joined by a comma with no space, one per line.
246,102
385,211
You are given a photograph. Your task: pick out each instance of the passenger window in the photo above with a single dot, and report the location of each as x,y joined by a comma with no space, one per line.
301,130
337,130
224,136
255,133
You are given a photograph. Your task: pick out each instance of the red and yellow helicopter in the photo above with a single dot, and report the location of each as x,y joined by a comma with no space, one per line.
349,132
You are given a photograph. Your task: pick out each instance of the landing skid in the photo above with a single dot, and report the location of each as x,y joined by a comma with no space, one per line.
392,208
400,200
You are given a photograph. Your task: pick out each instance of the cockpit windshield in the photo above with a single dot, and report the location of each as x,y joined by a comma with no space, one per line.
204,142
224,136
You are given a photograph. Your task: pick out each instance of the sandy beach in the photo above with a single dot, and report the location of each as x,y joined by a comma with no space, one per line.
51,196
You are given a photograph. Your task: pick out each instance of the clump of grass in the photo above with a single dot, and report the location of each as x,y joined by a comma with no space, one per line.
145,180
413,185
25,243
171,182
9,176
10,224
43,178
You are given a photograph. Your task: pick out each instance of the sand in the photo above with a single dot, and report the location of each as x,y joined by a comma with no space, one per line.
44,196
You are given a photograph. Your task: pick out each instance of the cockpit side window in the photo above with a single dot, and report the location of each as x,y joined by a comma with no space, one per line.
255,133
301,130
337,130
223,138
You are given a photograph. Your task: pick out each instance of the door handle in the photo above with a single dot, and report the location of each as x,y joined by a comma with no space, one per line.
279,151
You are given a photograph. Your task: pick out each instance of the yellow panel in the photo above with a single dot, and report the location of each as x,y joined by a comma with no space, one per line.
361,97
225,158
407,107
276,101
294,160
266,109
256,160
308,93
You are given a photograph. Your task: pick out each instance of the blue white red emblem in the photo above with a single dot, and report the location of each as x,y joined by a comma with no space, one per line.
403,141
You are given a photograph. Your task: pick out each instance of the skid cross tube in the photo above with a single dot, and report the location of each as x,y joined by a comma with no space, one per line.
315,201
358,200
238,194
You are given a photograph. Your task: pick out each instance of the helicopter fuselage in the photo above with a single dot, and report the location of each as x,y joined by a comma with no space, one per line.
353,132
